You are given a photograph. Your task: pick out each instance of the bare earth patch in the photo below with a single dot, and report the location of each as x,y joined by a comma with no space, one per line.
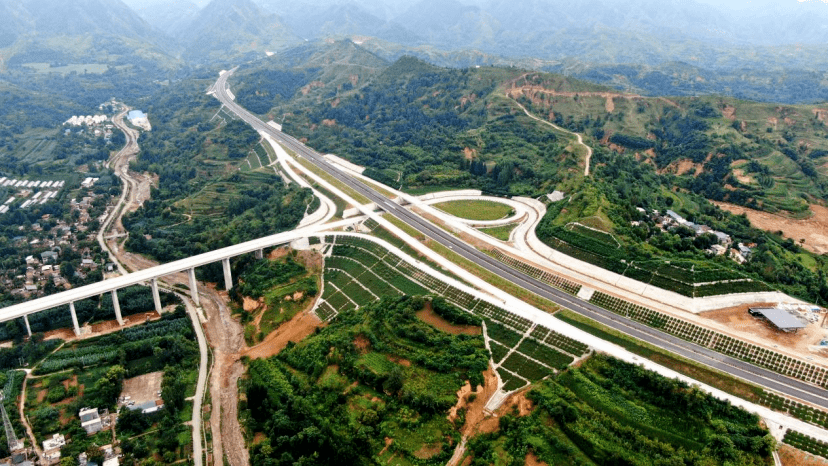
729,112
388,442
101,328
399,360
532,460
738,319
295,330
278,253
519,401
741,176
250,304
430,317
428,451
814,230
476,418
362,343
144,387
462,398
790,456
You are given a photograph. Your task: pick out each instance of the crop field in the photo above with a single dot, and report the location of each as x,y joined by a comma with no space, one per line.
256,158
475,210
12,386
724,344
90,373
359,272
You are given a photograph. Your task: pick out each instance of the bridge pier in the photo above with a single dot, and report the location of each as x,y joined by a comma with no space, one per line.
74,318
193,287
259,253
117,305
156,298
228,278
28,327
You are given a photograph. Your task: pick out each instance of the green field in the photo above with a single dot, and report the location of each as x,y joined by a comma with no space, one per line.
475,210
502,232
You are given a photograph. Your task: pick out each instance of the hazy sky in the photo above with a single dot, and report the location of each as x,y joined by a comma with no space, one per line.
731,4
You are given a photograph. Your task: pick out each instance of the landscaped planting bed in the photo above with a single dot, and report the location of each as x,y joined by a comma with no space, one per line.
806,443
525,367
798,410
502,334
719,342
498,351
534,272
544,354
358,270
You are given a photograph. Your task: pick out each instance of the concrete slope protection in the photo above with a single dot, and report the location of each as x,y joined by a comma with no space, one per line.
763,377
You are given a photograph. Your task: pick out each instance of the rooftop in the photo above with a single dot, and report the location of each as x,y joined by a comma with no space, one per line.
779,317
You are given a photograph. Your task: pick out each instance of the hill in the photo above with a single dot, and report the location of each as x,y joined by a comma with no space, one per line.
171,18
429,128
227,29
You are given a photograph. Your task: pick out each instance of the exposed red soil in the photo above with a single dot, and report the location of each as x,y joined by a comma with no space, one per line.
813,230
477,421
295,330
430,317
790,456
362,343
532,460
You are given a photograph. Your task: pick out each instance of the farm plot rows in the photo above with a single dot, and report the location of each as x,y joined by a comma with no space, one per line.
794,408
806,443
359,272
724,344
538,274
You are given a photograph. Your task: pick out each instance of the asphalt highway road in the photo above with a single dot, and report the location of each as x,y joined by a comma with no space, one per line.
743,370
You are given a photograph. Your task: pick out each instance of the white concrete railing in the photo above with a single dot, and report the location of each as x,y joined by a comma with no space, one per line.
152,274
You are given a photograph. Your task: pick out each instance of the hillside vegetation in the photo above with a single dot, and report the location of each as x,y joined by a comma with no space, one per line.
374,373
611,412
205,199
425,128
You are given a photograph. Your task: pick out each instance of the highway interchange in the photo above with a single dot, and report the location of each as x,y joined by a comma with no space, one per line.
743,370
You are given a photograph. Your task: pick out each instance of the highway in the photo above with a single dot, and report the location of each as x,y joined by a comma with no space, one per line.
743,370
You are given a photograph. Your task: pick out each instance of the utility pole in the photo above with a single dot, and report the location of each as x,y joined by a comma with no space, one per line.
14,443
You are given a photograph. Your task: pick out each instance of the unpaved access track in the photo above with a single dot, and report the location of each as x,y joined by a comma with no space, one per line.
580,139
224,334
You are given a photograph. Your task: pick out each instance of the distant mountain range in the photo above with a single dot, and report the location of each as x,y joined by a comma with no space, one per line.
587,38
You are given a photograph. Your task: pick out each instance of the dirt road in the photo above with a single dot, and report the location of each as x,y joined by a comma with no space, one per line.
223,333
588,155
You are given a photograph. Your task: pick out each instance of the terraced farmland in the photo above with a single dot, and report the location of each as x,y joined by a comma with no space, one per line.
359,271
